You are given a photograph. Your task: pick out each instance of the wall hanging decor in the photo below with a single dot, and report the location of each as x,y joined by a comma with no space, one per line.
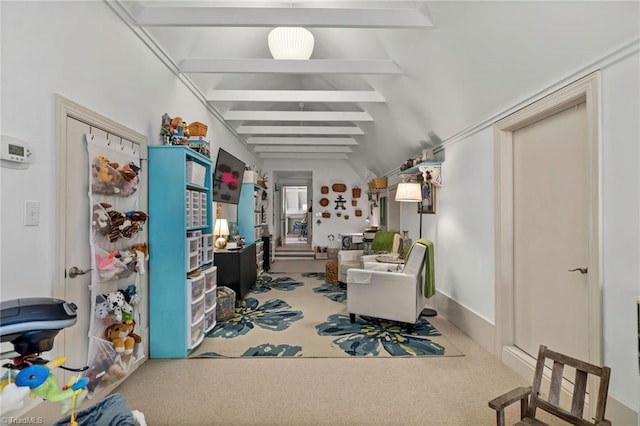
339,187
358,213
324,202
378,183
324,189
326,214
356,192
340,203
354,203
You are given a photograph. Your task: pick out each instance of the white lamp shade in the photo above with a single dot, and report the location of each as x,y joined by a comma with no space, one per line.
221,227
409,191
290,43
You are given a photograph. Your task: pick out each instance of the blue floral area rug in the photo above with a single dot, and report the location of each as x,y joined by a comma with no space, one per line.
301,315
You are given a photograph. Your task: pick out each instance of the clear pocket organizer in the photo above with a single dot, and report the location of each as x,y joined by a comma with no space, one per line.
113,265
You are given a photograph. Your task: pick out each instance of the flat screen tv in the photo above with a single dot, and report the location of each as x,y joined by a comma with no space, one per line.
227,178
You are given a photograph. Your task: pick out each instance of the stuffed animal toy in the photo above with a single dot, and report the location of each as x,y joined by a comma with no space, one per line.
101,221
105,177
134,223
117,222
130,179
104,371
107,265
122,337
140,254
118,304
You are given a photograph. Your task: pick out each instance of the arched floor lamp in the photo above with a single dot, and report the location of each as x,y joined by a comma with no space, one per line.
411,192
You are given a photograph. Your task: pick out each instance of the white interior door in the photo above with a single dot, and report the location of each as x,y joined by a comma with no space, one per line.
73,122
551,202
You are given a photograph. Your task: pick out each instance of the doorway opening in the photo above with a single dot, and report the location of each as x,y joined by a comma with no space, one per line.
292,207
296,213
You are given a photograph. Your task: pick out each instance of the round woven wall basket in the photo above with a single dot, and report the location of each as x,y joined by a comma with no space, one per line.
324,202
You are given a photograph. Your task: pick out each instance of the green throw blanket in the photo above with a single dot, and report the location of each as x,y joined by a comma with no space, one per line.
383,241
429,287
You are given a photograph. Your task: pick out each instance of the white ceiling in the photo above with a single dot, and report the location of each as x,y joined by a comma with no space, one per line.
381,84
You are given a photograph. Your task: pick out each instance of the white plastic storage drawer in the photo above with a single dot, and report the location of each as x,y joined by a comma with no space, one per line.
193,245
209,299
196,287
210,278
209,320
196,173
193,261
197,311
207,241
196,333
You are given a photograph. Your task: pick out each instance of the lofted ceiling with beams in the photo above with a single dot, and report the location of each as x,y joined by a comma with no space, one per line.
385,79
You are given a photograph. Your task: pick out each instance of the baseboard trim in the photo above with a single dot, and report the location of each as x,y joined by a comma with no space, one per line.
469,322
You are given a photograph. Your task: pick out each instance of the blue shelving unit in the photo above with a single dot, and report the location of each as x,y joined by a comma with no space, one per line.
172,330
249,213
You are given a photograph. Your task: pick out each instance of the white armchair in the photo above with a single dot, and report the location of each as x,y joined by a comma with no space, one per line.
348,259
394,296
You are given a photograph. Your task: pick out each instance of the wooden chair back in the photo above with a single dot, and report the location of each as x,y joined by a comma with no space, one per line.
552,403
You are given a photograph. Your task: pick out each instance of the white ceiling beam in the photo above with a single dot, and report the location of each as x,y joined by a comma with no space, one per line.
304,155
183,16
297,116
291,140
294,96
290,66
299,148
299,130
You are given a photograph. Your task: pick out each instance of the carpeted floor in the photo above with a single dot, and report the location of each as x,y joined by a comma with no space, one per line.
300,315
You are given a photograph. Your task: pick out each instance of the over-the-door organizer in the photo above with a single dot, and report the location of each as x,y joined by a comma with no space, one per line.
119,252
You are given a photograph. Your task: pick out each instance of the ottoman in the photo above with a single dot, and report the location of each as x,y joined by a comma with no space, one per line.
331,271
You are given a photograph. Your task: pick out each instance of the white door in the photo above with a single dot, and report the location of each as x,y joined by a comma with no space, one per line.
551,202
73,122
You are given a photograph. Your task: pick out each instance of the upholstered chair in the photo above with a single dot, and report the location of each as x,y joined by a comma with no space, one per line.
384,293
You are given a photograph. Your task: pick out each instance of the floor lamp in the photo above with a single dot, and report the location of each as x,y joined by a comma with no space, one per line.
412,192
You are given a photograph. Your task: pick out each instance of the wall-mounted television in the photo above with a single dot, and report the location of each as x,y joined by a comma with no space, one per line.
227,178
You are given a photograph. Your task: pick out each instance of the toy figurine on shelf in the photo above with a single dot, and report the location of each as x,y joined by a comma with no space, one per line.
165,129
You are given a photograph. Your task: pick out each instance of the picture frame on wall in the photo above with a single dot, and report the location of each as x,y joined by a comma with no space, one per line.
428,203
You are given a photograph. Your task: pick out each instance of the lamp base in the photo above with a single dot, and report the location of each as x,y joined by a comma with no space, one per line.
427,312
221,243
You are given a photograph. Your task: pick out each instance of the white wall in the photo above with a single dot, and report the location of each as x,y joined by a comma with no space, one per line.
463,227
327,172
83,51
620,211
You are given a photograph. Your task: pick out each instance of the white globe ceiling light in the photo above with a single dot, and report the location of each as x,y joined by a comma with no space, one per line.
290,43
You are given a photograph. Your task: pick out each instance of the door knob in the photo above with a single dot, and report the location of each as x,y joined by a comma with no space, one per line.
582,270
74,271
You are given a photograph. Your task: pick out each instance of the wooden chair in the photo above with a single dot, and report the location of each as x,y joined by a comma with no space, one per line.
531,399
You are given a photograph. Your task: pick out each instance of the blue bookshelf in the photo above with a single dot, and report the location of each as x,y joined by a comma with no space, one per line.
179,185
249,212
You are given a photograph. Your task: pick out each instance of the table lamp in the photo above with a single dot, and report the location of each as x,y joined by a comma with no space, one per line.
221,232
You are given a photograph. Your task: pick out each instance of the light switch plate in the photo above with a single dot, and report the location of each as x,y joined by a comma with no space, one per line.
31,213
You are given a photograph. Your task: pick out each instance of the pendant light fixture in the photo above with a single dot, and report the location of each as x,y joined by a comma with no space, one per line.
290,43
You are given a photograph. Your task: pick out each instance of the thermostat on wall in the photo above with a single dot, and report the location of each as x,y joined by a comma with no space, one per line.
14,153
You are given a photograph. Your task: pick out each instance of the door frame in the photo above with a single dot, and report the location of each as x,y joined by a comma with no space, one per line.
66,108
585,90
